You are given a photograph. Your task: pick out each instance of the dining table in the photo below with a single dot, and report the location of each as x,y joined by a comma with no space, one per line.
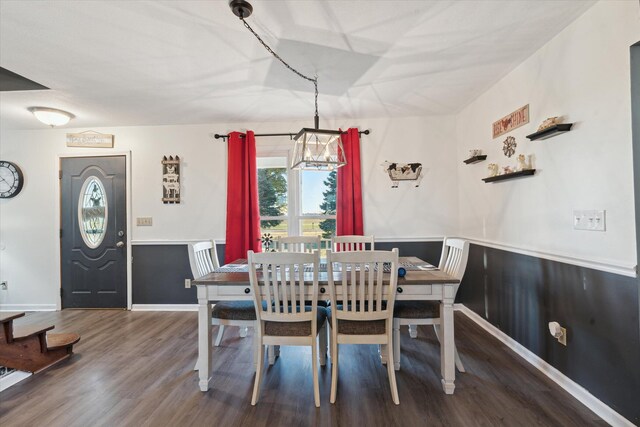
421,282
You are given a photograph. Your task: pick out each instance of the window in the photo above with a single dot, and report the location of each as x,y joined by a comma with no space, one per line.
92,212
294,202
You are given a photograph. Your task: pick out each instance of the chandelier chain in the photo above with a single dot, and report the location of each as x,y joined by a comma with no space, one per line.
314,80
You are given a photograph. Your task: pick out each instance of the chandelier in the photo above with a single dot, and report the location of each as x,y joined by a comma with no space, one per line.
314,148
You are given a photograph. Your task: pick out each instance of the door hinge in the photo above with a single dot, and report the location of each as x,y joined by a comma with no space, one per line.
61,233
60,174
60,292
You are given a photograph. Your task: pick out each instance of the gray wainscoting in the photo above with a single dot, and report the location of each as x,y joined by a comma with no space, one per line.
520,294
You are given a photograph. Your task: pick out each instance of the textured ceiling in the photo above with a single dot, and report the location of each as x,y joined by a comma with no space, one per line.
149,63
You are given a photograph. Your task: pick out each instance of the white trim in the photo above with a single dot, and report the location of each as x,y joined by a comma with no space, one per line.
407,239
28,307
128,205
595,264
573,388
150,242
164,307
13,378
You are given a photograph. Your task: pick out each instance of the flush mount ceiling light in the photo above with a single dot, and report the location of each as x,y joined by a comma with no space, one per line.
51,116
315,148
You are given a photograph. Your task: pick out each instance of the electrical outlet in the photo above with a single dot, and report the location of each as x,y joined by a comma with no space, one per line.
562,339
187,283
4,285
145,221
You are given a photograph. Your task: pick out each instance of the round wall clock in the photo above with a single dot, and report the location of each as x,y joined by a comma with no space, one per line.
11,179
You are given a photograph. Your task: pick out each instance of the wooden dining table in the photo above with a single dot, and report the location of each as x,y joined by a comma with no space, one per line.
422,282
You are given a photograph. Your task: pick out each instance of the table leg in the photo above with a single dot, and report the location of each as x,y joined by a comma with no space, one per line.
447,346
204,340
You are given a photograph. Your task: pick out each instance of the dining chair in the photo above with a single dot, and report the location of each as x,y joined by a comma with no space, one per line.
352,243
453,261
306,244
203,259
365,315
298,244
279,290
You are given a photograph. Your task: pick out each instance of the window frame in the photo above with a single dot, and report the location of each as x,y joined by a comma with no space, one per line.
294,216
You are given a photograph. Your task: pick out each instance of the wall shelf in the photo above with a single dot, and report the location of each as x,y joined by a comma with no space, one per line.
550,132
506,176
475,159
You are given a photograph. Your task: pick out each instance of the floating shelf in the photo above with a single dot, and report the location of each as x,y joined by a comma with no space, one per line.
526,172
475,159
550,132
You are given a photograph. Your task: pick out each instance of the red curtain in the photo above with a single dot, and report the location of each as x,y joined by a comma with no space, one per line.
243,213
349,198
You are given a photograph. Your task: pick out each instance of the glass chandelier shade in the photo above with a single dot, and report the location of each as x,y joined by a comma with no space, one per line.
51,116
318,149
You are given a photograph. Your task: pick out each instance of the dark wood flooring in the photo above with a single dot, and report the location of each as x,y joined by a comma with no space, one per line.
135,369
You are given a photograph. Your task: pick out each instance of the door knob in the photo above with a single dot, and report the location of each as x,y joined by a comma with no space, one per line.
120,244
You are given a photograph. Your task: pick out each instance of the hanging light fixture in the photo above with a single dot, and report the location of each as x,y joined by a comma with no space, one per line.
314,148
51,116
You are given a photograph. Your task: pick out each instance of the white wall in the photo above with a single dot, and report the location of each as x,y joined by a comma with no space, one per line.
583,75
29,232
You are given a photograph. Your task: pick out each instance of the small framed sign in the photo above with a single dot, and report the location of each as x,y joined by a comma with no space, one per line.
171,179
90,139
512,121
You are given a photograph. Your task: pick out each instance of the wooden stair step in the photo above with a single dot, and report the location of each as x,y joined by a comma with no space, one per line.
56,341
22,332
9,316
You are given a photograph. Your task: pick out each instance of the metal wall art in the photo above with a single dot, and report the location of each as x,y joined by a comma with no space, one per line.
512,121
171,179
509,148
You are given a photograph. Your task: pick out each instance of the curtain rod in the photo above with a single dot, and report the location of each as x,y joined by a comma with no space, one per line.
290,135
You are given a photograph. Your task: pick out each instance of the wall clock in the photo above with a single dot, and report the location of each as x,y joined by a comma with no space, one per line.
11,179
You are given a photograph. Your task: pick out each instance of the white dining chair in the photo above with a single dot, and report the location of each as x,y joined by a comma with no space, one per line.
298,244
365,314
203,259
305,244
352,243
279,290
453,261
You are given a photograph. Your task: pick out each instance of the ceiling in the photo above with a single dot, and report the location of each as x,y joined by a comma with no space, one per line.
179,62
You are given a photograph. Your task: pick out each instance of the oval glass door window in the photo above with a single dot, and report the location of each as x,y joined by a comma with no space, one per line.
92,212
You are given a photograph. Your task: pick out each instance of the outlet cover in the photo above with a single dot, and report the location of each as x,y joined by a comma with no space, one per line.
187,283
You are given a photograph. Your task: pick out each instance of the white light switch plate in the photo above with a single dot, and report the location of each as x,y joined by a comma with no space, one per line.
590,220
144,221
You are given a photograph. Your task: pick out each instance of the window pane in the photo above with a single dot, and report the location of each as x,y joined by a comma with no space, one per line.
270,230
92,215
325,228
318,192
272,186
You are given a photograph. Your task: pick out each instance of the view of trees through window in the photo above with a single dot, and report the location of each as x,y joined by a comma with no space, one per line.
315,201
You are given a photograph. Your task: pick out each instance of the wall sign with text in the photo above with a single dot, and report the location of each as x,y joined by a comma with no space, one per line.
90,139
512,121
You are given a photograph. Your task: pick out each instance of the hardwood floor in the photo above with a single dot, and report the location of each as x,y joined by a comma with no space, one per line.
135,368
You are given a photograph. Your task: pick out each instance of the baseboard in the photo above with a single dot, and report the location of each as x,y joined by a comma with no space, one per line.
13,378
164,307
28,307
573,388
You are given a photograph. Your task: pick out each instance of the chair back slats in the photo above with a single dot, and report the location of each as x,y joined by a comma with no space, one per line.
455,253
362,280
352,243
306,244
278,279
203,258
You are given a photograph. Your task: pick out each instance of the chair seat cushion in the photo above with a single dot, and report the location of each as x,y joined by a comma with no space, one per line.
234,310
295,329
358,327
416,310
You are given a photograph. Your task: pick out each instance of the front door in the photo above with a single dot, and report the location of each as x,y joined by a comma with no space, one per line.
93,232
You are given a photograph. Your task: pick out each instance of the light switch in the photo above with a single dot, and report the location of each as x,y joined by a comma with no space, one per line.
144,221
590,220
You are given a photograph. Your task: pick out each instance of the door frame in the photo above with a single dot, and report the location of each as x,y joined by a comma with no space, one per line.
97,153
